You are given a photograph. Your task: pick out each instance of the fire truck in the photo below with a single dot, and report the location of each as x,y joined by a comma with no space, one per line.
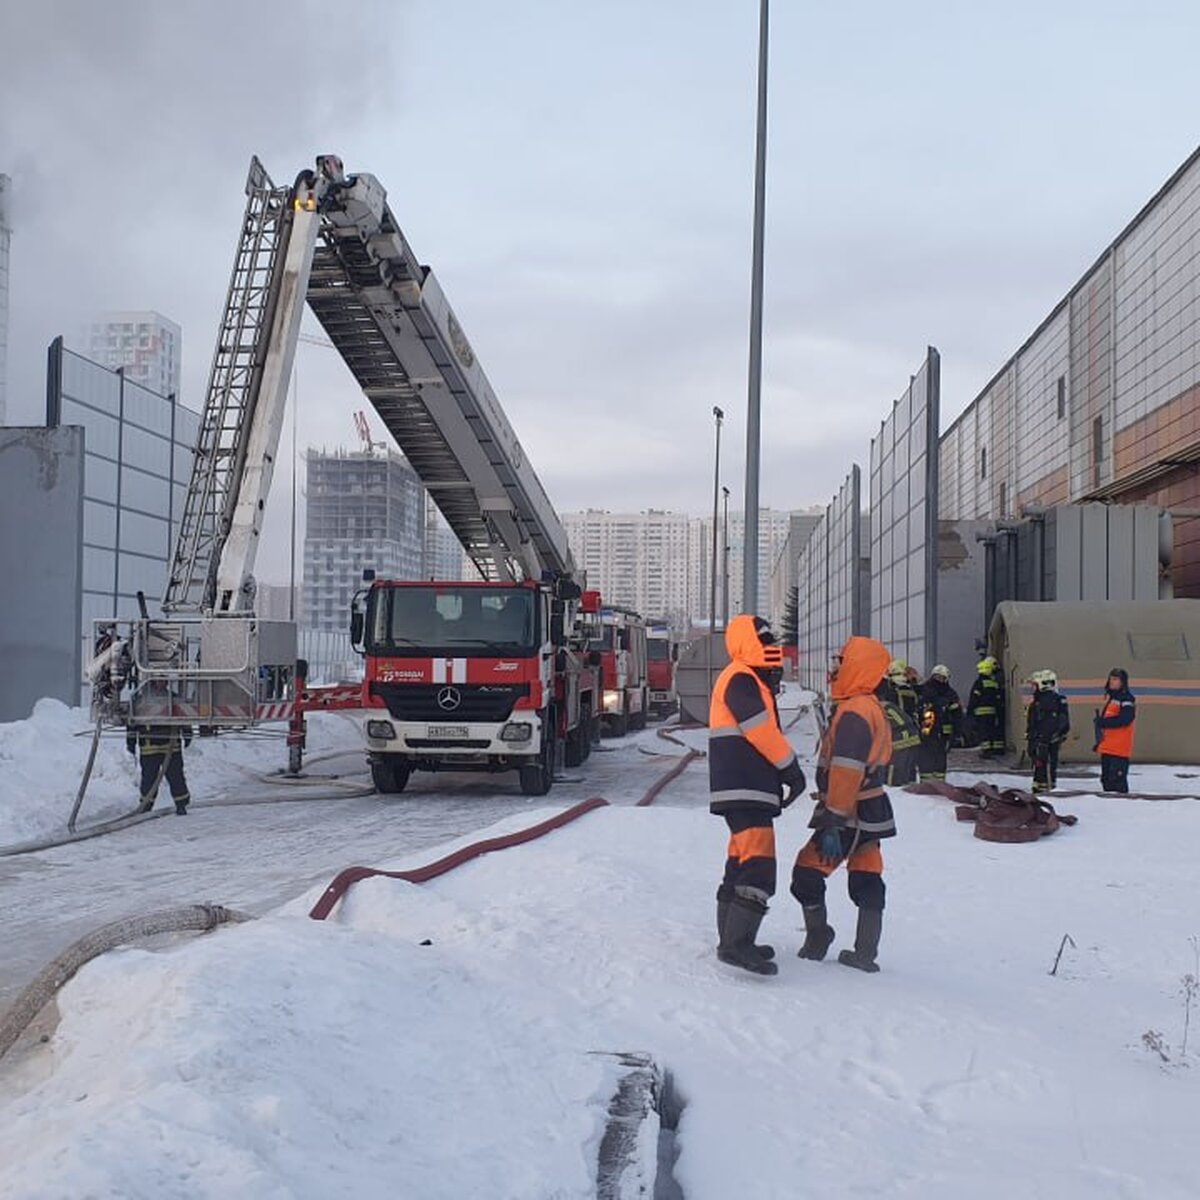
662,652
619,638
491,674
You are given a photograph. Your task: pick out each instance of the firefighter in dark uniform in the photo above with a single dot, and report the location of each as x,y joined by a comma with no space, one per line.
985,709
902,678
941,719
906,736
853,812
1047,723
160,749
752,775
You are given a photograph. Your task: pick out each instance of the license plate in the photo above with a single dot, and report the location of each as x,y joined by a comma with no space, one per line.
448,731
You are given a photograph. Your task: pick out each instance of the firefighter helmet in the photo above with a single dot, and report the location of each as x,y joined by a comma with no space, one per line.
897,670
986,665
940,670
1046,681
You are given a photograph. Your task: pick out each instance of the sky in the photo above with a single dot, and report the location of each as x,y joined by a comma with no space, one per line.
458,1038
580,178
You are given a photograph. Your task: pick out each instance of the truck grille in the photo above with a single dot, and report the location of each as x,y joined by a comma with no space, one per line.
478,702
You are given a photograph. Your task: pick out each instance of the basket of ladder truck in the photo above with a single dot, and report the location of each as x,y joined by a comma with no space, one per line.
514,670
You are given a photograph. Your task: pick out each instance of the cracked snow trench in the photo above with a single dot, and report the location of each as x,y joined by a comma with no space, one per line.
637,1152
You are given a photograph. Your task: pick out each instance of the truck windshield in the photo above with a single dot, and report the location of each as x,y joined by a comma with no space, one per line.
603,640
451,620
658,649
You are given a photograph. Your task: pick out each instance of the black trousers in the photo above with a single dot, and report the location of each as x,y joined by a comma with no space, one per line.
1114,773
152,772
931,758
1045,767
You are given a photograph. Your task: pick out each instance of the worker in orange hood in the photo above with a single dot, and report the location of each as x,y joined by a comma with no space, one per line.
853,812
752,776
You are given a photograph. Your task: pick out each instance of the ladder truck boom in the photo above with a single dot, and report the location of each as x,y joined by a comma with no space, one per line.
387,316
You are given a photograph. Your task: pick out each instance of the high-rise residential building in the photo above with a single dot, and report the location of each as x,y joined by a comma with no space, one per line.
644,561
145,345
773,527
364,509
4,242
784,571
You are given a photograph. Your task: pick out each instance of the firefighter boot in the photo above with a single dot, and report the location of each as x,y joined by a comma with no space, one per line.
764,951
737,937
866,941
818,933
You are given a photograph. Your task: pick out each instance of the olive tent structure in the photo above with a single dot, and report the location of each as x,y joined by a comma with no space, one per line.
1156,641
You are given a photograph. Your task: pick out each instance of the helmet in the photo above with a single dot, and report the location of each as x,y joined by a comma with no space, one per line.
897,670
1044,681
942,670
986,665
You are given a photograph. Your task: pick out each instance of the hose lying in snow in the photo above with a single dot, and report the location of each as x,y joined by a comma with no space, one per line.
343,790
345,879
34,997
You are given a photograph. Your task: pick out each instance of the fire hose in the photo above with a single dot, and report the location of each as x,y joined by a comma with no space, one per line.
34,997
205,917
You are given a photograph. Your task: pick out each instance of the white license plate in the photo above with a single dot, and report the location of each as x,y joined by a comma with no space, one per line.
448,731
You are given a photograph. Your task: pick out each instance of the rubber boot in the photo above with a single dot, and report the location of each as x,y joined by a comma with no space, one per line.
737,937
763,949
866,941
818,933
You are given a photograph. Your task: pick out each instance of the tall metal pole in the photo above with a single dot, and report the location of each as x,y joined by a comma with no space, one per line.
753,435
295,468
725,560
712,576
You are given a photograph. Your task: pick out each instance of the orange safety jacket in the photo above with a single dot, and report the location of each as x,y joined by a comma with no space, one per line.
747,750
857,748
1117,739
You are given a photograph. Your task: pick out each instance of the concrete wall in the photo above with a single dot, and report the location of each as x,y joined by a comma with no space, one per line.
962,615
41,566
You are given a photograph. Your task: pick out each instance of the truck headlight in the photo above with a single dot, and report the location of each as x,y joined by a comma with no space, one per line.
516,731
612,700
381,731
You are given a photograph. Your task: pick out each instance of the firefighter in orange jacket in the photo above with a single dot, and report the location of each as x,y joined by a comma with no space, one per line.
752,775
853,812
1114,731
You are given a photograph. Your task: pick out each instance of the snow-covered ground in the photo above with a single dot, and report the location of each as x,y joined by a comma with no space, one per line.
442,1040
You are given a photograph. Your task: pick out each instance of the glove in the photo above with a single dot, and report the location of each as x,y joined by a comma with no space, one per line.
792,778
829,845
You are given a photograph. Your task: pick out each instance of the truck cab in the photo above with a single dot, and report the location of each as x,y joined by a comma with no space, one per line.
619,638
662,652
471,676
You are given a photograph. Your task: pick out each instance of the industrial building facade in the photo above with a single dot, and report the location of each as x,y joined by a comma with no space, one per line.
1102,402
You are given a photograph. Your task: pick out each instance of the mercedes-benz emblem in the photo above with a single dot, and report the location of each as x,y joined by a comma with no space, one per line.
449,698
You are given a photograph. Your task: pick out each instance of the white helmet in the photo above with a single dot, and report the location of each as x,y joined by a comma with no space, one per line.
942,670
1046,681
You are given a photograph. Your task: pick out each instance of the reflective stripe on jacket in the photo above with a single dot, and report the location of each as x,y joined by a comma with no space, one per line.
746,747
852,767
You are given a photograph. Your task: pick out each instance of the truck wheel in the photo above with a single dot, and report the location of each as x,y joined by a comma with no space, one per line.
295,759
388,777
538,778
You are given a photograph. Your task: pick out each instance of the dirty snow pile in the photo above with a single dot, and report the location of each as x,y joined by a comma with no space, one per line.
42,760
453,1039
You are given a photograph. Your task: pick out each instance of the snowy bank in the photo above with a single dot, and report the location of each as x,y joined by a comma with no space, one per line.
438,1040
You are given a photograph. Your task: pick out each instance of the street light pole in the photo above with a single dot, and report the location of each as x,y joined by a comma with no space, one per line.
725,561
719,415
753,434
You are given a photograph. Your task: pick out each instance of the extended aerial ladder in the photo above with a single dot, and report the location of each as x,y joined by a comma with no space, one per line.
331,240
